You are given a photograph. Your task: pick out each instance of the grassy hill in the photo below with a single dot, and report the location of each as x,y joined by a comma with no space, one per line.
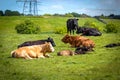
102,64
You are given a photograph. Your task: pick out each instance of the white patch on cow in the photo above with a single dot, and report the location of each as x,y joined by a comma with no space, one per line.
52,48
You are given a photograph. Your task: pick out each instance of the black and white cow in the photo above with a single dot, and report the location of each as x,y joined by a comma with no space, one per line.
72,24
88,31
37,42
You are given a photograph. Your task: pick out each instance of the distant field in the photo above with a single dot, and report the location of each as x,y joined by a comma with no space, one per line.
102,64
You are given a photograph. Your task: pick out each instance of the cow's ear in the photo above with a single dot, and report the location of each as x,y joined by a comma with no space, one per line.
48,38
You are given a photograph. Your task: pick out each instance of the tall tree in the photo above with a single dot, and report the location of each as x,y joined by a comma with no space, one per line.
1,13
8,12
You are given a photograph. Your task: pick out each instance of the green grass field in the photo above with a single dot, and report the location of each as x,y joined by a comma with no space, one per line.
101,64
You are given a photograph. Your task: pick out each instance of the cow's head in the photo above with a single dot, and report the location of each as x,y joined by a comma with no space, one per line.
75,22
51,41
66,39
49,47
79,30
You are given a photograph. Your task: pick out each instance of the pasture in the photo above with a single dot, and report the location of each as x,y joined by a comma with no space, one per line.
101,64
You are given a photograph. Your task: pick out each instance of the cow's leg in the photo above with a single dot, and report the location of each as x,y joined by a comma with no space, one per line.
47,55
67,31
27,57
41,55
70,32
73,31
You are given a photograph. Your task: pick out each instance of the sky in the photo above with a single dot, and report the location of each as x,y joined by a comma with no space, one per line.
90,7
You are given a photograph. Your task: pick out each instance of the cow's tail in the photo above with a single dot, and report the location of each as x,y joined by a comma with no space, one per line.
13,53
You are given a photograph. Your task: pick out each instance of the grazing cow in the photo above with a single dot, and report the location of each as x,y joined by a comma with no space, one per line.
38,42
35,51
72,24
112,45
88,31
65,53
77,41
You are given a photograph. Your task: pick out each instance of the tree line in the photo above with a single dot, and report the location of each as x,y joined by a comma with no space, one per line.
111,16
16,13
9,13
72,14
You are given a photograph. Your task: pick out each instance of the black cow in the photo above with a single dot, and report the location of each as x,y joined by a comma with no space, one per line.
30,43
112,45
82,50
88,31
72,24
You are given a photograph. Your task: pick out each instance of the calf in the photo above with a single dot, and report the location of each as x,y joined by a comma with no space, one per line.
38,42
81,50
35,51
65,53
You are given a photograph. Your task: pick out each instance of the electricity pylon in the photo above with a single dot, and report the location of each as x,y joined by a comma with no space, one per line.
29,7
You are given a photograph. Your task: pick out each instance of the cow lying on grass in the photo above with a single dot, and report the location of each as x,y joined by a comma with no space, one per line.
88,31
112,45
77,41
38,42
35,51
81,50
65,53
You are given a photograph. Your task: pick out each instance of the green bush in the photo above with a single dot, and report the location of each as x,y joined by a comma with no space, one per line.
60,30
111,28
27,27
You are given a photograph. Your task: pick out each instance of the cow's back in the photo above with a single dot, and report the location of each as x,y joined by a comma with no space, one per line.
37,42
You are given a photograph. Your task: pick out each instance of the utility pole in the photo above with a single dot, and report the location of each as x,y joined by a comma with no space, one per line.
29,7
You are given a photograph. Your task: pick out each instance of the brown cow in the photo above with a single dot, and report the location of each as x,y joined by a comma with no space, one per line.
35,51
66,53
77,41
88,44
